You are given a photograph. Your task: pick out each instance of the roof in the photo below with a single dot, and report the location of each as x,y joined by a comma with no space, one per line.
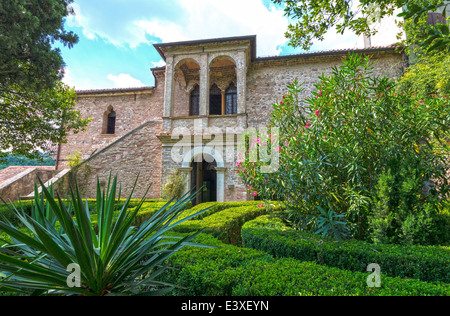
250,38
114,90
391,47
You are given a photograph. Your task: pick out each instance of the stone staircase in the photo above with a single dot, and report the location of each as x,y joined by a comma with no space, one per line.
53,180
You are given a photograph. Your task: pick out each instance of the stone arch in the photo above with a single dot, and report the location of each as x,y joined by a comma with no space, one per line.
186,71
213,157
199,151
109,121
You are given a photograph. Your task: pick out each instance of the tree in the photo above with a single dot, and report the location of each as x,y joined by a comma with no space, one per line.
36,109
313,18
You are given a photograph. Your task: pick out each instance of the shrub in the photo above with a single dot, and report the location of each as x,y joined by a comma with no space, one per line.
271,234
336,144
226,224
115,258
174,186
233,271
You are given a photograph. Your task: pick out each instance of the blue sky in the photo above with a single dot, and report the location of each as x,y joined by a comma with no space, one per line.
116,50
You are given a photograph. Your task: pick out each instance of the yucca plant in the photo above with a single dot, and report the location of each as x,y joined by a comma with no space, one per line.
59,251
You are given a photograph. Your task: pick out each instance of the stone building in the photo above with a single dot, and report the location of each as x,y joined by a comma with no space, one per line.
207,95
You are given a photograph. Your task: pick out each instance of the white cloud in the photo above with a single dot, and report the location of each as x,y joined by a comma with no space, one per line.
160,63
211,19
178,20
125,81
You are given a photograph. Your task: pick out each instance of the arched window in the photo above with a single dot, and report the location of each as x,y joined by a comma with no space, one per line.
111,123
231,100
194,107
215,100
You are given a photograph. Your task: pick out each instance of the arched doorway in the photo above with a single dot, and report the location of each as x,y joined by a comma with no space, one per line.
204,176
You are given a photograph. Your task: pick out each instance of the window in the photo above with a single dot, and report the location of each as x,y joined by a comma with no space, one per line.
434,18
231,100
111,123
215,100
194,107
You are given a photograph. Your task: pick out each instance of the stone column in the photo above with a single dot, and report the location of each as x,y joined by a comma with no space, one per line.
168,94
204,85
220,184
241,76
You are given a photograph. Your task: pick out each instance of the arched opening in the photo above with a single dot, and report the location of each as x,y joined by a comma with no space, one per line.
187,90
231,99
109,121
111,126
204,176
194,102
222,73
215,100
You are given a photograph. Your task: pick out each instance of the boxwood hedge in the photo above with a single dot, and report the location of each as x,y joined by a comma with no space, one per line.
270,234
234,271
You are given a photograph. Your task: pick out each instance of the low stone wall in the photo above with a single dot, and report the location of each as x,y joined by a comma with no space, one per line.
23,183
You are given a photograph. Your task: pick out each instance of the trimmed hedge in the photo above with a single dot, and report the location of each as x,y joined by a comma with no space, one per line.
427,263
225,224
233,271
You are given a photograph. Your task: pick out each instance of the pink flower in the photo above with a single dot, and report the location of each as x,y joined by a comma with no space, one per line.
325,138
308,125
265,180
243,170
320,92
255,193
317,112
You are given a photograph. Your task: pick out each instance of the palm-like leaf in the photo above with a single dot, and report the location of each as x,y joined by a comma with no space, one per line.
113,258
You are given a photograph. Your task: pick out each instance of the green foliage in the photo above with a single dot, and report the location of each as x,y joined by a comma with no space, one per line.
273,235
29,29
234,271
403,213
312,19
114,256
335,145
33,120
75,159
37,109
174,186
332,224
43,160
226,224
423,39
428,77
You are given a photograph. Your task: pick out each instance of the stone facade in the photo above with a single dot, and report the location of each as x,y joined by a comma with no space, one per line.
183,133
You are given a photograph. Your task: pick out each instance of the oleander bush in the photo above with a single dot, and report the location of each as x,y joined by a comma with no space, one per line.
337,147
271,234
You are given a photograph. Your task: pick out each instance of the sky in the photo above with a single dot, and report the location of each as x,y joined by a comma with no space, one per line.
116,37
